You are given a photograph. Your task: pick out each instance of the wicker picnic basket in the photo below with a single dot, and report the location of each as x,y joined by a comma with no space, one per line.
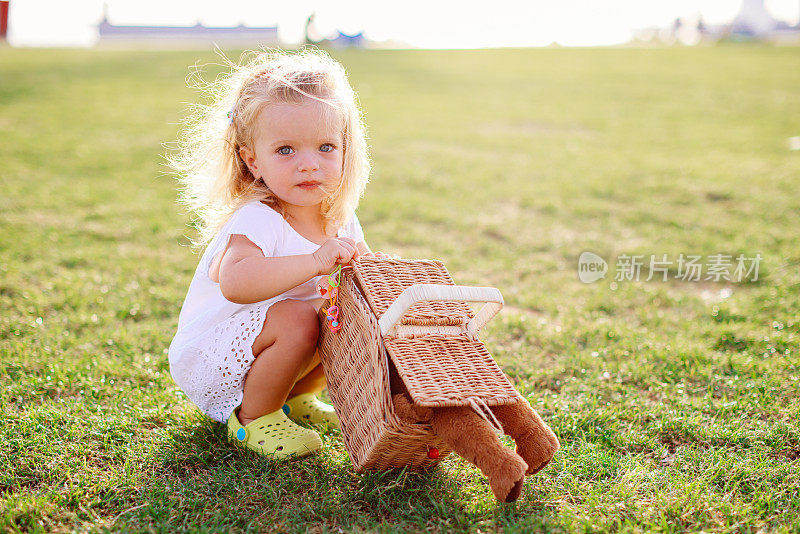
407,319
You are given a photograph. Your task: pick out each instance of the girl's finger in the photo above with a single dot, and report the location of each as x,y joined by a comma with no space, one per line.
346,254
348,243
349,247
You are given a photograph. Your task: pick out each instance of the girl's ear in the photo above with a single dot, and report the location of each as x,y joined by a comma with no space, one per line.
249,158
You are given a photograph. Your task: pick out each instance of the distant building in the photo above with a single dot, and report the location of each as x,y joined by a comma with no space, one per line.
753,22
267,35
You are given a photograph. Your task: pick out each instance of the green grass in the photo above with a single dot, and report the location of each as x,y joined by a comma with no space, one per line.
676,403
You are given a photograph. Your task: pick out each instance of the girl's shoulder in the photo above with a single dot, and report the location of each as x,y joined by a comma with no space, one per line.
352,228
256,221
255,212
259,208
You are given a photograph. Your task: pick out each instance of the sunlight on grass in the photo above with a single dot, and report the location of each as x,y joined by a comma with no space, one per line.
675,402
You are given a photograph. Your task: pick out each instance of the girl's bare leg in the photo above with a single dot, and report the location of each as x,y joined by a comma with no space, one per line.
284,351
312,380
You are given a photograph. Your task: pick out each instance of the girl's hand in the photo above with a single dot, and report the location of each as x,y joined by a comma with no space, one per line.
334,251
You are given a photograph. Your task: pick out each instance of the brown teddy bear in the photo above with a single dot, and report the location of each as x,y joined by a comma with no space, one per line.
472,437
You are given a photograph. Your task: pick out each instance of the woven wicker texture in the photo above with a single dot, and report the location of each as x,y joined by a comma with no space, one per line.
437,369
382,280
357,371
443,370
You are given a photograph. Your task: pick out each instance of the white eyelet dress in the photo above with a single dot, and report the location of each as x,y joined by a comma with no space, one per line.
211,352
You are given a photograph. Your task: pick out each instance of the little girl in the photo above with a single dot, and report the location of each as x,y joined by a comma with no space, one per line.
274,168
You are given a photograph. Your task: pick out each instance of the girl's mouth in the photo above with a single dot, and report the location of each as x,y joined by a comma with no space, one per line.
308,185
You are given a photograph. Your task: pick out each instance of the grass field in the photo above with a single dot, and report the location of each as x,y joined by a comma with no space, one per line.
676,402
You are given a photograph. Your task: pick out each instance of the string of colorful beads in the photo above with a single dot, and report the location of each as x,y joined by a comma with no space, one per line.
331,291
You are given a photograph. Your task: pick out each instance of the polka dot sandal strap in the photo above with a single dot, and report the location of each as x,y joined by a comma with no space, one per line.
307,407
274,435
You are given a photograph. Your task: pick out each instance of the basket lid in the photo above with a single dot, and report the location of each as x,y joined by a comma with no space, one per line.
381,280
440,370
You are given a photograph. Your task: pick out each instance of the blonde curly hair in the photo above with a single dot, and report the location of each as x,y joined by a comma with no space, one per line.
216,181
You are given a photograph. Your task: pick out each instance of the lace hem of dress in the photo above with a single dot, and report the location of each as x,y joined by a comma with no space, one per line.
211,371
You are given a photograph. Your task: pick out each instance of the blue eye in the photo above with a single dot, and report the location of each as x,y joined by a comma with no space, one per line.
285,150
327,147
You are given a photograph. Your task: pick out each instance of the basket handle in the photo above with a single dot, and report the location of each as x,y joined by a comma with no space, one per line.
432,292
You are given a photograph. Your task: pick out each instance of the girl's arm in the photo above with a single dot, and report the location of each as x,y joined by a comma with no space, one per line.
247,276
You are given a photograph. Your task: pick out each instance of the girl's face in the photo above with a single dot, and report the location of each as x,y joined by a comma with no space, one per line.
298,157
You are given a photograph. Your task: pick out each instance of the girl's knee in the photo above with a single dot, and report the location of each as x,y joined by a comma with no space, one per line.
295,320
292,321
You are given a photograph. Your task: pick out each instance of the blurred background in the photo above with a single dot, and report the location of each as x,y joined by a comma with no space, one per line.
507,139
415,23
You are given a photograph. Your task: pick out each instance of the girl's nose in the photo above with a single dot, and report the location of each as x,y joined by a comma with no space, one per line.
308,163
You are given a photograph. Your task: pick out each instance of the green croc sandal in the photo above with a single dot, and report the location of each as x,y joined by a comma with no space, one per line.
275,435
307,407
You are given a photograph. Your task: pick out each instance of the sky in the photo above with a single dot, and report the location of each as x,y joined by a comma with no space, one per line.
419,23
